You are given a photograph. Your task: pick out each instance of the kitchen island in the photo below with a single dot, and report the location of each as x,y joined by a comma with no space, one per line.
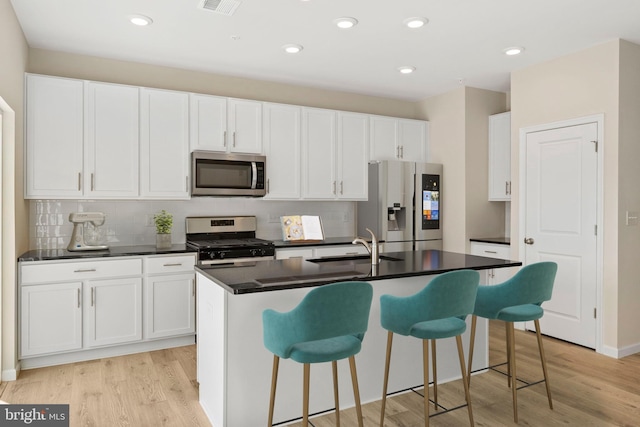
234,368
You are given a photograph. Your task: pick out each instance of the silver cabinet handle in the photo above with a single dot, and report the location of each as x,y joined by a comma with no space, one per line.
173,264
224,139
92,296
85,270
509,187
234,138
341,187
490,252
402,151
92,184
186,184
78,297
398,152
334,187
529,240
267,185
79,181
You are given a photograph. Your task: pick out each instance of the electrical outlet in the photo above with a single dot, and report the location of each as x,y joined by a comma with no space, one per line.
632,218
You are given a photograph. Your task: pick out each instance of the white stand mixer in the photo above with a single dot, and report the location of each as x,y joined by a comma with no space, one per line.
79,220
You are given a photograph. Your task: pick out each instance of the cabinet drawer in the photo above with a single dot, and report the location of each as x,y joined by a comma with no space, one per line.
85,270
170,264
294,253
491,250
340,250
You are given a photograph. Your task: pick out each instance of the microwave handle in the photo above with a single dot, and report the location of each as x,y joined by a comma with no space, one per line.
254,175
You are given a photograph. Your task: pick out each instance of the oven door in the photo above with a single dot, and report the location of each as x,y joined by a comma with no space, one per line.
221,174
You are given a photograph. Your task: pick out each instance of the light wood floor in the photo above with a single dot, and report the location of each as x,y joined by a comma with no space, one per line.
159,389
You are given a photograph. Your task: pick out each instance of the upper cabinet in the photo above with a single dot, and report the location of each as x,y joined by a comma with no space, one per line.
334,155
55,137
225,124
398,139
112,141
164,144
282,149
500,157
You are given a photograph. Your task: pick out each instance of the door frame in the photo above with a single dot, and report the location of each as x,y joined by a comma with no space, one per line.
599,120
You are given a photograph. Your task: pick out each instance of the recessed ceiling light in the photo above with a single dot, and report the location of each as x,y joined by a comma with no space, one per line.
345,22
406,69
415,22
292,48
515,50
140,20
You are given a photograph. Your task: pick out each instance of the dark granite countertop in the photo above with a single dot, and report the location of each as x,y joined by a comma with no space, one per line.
114,251
496,240
259,276
329,241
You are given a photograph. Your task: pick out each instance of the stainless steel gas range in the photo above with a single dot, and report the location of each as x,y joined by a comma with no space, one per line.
225,240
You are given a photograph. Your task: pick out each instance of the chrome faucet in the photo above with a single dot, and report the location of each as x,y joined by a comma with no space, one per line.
371,248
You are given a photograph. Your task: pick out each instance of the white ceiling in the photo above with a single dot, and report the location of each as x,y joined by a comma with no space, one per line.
461,44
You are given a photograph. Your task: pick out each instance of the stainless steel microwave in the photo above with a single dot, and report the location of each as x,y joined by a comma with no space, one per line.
224,174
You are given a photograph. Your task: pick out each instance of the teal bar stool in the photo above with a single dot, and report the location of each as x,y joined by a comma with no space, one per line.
437,311
328,325
518,299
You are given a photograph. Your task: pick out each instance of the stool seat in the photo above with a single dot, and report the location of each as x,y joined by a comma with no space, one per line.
326,350
437,329
521,313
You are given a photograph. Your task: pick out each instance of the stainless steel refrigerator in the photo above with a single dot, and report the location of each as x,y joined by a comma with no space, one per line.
403,207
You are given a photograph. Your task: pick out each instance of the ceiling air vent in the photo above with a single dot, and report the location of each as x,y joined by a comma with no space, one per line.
223,7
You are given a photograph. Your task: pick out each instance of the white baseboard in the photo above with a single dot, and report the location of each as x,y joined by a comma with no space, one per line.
619,353
11,374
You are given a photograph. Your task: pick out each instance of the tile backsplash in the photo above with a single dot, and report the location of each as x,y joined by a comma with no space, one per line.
131,222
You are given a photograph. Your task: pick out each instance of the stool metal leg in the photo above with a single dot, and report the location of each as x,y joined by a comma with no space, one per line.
508,335
425,368
543,361
434,371
356,390
472,341
512,365
334,365
386,377
274,379
305,395
464,377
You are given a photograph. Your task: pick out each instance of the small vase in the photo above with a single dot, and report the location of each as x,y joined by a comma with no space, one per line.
163,241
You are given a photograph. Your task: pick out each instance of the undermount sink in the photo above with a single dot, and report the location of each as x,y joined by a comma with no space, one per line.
352,259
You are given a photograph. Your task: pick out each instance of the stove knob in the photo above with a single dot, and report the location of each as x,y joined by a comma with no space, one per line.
221,255
254,252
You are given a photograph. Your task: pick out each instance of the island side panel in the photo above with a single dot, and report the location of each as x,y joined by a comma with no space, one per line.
248,363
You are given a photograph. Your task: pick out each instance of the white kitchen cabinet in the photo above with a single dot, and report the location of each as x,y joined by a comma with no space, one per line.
494,250
281,125
112,142
398,139
500,157
225,124
334,153
113,311
54,137
208,122
50,318
164,144
320,251
299,252
169,296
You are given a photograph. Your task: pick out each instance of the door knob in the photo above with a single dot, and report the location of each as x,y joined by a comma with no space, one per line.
529,240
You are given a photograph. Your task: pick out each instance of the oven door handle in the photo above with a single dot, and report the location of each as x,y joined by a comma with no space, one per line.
254,175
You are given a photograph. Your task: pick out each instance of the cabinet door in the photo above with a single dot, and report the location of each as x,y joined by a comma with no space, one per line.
170,305
384,138
112,141
500,157
113,311
353,152
55,137
208,122
164,144
50,318
412,140
282,148
245,126
318,154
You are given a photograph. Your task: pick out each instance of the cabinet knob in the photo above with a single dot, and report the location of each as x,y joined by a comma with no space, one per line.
529,241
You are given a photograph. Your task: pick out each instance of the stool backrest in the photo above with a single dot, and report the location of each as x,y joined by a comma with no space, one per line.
327,311
451,294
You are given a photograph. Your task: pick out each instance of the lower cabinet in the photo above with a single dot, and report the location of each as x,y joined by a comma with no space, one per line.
494,250
80,310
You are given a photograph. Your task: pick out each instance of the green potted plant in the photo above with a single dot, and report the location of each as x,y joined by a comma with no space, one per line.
164,222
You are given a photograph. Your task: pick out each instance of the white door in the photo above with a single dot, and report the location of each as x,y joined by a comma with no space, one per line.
560,219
